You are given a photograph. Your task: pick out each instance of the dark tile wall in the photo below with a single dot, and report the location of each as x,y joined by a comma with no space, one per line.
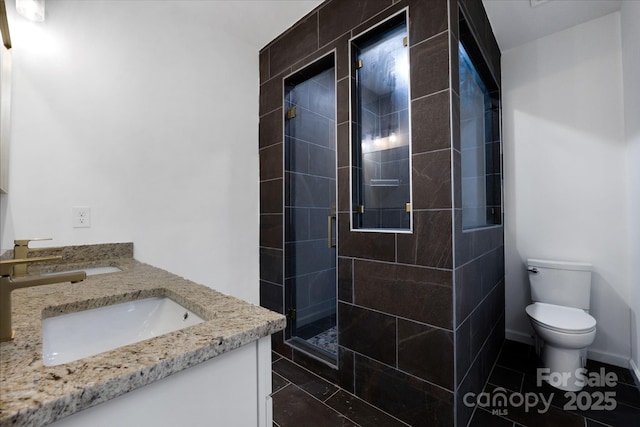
420,315
479,253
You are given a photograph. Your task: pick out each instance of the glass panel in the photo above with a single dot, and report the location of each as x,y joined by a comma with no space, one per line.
480,138
381,137
310,203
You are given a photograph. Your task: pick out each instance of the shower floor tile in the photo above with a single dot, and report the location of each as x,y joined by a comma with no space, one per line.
327,340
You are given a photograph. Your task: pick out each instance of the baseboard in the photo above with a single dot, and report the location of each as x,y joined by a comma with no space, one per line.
512,335
610,358
635,371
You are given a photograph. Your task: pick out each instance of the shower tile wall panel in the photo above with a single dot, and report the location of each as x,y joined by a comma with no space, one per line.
416,343
416,402
432,175
270,128
296,43
368,332
340,17
420,294
430,123
271,296
431,242
479,254
402,349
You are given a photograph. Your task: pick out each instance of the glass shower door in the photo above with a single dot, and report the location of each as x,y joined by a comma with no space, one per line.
310,210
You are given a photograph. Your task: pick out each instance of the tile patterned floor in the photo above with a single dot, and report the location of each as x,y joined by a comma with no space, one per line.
515,372
302,399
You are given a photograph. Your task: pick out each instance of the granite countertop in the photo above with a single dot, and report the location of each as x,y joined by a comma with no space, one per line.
34,394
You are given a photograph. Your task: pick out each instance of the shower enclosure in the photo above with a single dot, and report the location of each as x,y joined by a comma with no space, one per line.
420,264
310,209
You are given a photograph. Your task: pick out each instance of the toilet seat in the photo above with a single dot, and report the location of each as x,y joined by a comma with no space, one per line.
567,320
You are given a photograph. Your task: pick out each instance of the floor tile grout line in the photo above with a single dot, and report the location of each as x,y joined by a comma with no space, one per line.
324,404
628,384
577,412
375,408
502,386
339,389
597,421
619,403
287,382
484,387
282,388
499,416
302,367
333,394
586,417
364,402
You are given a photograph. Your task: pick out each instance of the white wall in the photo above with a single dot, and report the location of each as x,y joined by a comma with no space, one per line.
565,183
147,112
630,16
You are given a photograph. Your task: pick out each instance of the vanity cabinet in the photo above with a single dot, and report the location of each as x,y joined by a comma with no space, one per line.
232,389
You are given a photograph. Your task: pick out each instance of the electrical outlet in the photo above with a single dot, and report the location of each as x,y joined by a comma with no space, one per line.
81,216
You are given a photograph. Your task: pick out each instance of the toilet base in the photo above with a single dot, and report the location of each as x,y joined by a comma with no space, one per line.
563,364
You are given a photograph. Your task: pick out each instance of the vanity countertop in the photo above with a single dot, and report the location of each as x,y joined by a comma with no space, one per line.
34,394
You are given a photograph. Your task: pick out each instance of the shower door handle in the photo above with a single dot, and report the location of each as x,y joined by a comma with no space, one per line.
330,242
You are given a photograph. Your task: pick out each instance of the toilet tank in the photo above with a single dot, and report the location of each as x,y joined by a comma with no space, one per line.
560,282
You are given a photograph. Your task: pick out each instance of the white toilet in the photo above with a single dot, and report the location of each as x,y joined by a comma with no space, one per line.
561,296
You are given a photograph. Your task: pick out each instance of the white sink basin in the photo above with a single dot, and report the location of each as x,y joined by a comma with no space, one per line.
77,335
101,270
91,271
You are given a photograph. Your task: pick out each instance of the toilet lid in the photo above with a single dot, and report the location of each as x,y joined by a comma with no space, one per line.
564,319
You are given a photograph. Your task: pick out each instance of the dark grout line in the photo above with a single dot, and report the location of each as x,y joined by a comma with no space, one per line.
307,370
523,353
339,389
324,404
585,417
332,394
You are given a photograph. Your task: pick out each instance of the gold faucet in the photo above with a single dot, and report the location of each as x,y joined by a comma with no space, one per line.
8,283
22,250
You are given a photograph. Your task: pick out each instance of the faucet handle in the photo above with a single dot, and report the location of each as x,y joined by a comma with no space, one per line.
7,265
25,242
21,250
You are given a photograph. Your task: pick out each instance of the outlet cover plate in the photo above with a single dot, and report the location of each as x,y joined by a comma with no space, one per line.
81,216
